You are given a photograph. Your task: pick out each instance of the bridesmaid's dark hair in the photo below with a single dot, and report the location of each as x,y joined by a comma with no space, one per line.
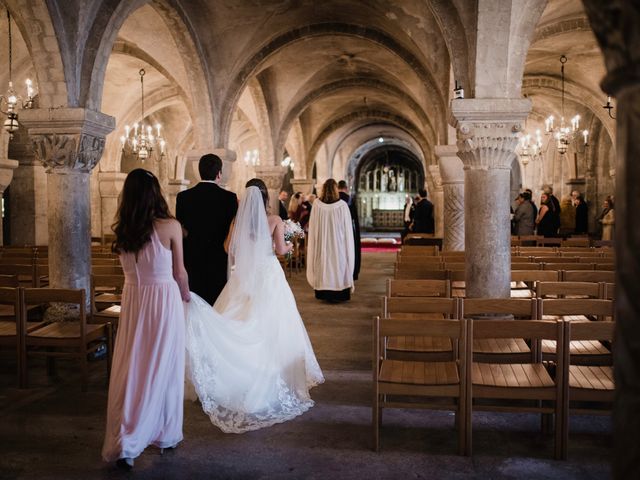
141,202
256,182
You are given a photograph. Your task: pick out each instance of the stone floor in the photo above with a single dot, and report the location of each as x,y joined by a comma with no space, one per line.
53,431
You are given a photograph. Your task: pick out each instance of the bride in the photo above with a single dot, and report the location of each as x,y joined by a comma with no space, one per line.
249,357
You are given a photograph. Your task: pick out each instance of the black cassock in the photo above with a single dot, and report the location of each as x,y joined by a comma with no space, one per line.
356,231
206,212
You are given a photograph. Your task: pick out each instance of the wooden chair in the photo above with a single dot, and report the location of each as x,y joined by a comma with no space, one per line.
576,242
549,242
418,288
501,349
523,282
393,380
556,259
9,281
417,259
27,273
425,250
104,261
589,385
69,339
524,266
611,267
587,352
420,308
106,295
567,266
517,381
107,270
568,290
570,275
608,291
418,272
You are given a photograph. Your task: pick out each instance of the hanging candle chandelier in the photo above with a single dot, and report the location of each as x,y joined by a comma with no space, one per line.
562,133
142,138
10,101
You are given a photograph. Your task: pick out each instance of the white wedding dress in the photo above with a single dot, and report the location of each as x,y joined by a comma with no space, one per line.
249,358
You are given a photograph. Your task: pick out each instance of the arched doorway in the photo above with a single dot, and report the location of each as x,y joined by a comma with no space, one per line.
384,178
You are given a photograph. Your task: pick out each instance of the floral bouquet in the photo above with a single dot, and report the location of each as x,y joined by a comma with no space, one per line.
292,230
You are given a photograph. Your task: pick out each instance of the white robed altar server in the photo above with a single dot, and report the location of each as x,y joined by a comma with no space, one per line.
330,246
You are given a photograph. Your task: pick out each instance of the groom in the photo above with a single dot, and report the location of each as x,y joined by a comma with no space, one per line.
206,212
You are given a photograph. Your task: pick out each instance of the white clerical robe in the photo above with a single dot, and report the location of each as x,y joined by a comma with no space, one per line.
330,249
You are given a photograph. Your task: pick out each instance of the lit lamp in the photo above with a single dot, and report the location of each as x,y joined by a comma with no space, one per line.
563,134
141,139
11,100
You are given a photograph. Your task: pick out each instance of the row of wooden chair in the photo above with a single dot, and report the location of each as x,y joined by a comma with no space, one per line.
468,374
24,325
515,250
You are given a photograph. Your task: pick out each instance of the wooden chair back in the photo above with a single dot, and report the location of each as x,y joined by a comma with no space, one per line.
581,307
570,275
413,307
423,250
418,288
608,290
9,281
518,307
524,266
419,272
105,261
567,266
568,289
610,267
555,259
107,270
535,276
27,274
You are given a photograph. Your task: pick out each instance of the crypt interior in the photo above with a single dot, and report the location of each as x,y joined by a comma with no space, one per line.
454,96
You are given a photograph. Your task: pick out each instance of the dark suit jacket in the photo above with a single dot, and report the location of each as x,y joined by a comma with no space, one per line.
206,212
282,212
356,232
582,217
423,217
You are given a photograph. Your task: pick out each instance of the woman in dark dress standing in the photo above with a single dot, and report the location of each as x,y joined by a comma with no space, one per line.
545,222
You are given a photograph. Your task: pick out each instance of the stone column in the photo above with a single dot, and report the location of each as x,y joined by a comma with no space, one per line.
302,185
437,197
176,186
228,158
6,175
28,195
487,136
452,174
69,142
273,178
110,185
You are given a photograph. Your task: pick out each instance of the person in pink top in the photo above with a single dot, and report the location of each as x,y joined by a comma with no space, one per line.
146,389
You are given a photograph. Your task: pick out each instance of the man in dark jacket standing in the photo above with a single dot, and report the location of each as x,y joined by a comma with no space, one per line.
582,212
343,190
206,212
423,216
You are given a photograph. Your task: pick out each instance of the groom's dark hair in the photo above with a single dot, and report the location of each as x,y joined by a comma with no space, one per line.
209,166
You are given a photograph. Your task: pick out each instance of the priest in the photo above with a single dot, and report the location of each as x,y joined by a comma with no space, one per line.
343,190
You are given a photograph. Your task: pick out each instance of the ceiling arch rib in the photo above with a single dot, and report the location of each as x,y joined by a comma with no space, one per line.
279,43
352,83
366,115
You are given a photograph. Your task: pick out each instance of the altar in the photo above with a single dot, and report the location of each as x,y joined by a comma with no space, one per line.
388,219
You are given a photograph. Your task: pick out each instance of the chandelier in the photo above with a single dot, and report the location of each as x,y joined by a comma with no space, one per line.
252,157
563,134
140,139
531,148
9,102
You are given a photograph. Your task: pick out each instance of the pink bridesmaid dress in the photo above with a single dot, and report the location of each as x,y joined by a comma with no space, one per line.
147,379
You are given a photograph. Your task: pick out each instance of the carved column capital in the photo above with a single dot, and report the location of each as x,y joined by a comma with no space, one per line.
67,138
271,176
80,152
302,185
488,131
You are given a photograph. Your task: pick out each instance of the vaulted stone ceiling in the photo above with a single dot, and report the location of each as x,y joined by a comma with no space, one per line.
307,76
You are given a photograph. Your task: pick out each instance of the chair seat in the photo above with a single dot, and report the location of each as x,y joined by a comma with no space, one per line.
525,375
419,373
568,318
419,344
578,347
108,298
591,377
65,330
500,345
416,316
8,329
522,293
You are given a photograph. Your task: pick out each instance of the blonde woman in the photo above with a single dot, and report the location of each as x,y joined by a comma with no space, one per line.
608,219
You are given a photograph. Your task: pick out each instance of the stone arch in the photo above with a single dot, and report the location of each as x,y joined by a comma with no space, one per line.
295,111
295,146
36,27
369,115
100,45
264,122
461,48
570,25
282,41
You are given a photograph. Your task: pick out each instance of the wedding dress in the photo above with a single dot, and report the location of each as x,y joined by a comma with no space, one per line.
249,357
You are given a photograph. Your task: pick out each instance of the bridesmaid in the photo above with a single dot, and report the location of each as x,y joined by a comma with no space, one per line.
147,379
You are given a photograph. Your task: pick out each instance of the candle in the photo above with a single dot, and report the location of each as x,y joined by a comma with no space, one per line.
158,128
585,134
135,129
